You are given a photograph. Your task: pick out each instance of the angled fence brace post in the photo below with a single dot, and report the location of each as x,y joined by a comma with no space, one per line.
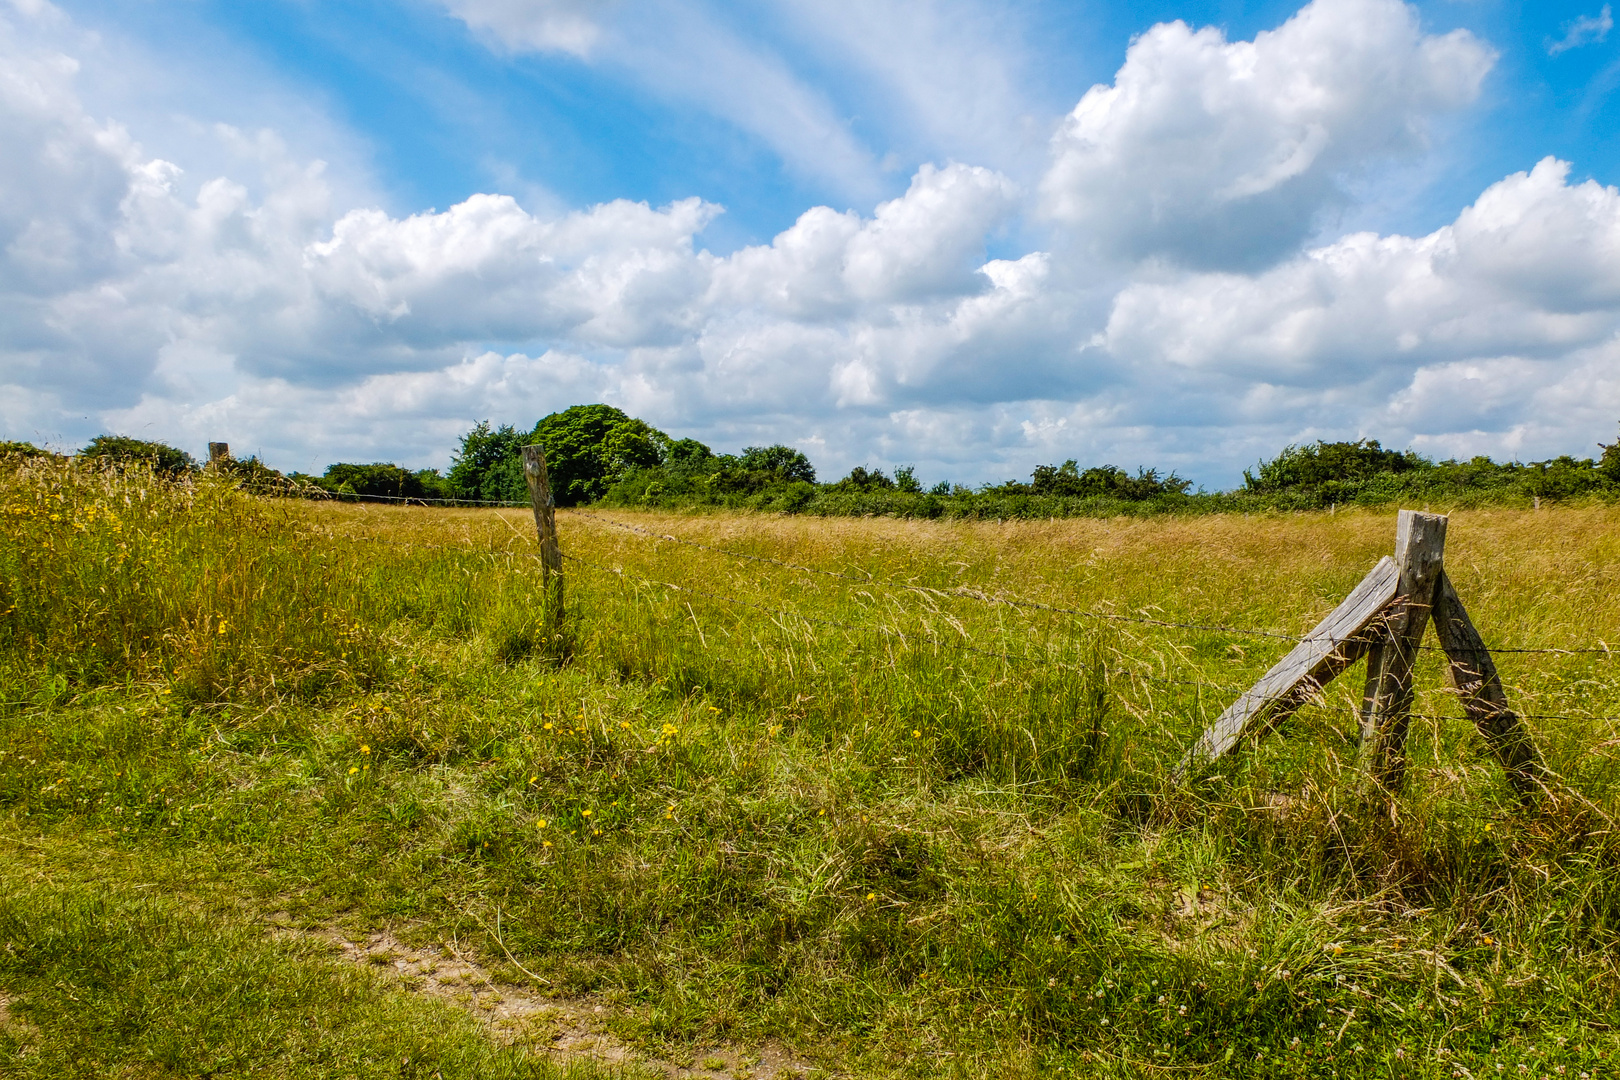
1472,673
1420,549
545,525
1326,651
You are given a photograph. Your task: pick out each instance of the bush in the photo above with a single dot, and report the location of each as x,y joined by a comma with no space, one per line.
120,450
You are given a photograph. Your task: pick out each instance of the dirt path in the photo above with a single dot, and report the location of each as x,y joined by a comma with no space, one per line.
564,1027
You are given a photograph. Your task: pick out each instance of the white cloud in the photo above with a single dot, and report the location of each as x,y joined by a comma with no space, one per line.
1476,326
258,307
1220,154
543,25
684,53
1586,30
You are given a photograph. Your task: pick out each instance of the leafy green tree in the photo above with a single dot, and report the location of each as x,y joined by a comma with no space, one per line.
1313,467
164,459
488,465
905,478
786,462
589,448
859,479
685,457
380,478
1067,480
1609,464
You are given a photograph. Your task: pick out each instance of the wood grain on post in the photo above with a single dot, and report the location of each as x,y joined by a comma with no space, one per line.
545,524
1420,546
1326,651
1472,673
218,453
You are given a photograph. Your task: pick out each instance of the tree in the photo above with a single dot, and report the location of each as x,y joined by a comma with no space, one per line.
1067,480
859,479
905,478
489,465
1338,463
786,462
380,478
590,447
165,460
1609,464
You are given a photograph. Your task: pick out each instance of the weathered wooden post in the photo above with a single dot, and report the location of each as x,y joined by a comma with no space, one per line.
1420,548
545,524
1383,619
1472,673
218,454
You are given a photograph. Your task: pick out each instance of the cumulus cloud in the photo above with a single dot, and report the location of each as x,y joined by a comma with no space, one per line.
681,52
1586,30
136,297
544,25
1220,154
1479,326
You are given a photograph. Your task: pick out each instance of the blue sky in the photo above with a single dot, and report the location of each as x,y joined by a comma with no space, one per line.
970,236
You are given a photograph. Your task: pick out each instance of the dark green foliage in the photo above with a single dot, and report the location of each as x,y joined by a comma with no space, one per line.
20,450
1068,481
1311,477
1338,463
784,462
121,450
1609,465
905,479
859,479
257,478
488,465
685,457
379,478
589,448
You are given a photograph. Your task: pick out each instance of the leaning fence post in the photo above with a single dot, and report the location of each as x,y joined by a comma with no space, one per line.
1420,545
545,524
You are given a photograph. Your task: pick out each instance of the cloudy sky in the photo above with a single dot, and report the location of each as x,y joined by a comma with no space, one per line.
967,235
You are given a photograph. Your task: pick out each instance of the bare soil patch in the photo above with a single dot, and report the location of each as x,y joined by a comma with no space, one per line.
566,1027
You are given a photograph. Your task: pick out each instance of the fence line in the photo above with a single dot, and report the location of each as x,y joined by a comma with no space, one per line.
960,592
974,594
1031,660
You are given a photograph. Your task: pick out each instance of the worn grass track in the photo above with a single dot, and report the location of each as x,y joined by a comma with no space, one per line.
904,832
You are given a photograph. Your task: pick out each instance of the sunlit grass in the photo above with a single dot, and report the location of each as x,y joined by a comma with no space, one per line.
905,829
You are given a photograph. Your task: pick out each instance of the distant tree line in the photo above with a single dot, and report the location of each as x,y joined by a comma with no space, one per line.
600,454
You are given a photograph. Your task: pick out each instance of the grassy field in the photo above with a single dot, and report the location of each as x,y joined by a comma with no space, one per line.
899,831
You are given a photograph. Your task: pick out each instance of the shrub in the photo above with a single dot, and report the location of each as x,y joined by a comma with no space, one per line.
121,450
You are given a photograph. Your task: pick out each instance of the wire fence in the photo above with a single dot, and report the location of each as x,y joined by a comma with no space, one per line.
778,614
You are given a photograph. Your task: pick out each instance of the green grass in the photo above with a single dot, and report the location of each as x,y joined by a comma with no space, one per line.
906,833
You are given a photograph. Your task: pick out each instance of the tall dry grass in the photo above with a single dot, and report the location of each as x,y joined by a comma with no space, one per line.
834,807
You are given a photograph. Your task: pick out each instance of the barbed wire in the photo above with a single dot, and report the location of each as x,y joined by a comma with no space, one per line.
1601,649
959,592
784,612
1314,701
346,496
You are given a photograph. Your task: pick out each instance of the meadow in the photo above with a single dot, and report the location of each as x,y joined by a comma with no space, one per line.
778,781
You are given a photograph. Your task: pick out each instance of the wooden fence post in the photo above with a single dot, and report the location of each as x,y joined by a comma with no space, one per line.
1472,674
545,524
1420,545
1383,620
1324,653
218,454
